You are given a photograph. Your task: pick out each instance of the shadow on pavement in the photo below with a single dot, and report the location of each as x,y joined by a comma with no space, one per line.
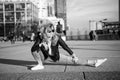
30,63
16,62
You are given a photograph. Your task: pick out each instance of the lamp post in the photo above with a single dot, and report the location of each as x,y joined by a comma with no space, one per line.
92,25
4,20
89,25
4,30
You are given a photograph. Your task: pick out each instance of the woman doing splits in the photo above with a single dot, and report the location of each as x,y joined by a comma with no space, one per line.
47,46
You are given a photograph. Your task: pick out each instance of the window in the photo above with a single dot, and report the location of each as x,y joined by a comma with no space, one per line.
20,6
29,6
20,16
9,16
1,17
29,14
1,29
1,7
9,7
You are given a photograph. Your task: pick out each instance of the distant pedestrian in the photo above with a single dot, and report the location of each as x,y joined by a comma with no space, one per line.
59,29
91,35
12,37
23,36
118,33
32,36
95,36
1,39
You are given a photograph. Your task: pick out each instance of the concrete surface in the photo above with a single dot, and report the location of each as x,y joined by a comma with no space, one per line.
16,59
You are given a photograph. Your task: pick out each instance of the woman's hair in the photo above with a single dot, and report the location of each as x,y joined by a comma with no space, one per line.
41,35
50,26
46,26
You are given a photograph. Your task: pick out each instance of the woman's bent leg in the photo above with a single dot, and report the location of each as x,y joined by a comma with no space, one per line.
37,56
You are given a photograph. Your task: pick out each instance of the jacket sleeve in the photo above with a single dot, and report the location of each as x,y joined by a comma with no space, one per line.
64,46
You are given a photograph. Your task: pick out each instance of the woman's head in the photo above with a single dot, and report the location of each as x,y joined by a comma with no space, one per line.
47,30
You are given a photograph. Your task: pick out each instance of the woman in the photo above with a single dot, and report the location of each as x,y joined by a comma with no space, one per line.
47,46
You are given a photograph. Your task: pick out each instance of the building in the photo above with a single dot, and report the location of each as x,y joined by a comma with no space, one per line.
13,13
106,30
60,10
111,27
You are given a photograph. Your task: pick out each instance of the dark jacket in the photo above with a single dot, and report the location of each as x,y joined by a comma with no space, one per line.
56,41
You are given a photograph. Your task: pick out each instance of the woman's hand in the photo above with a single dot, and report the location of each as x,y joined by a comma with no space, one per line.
74,58
44,44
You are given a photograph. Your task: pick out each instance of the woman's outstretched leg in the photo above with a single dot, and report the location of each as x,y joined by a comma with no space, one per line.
69,60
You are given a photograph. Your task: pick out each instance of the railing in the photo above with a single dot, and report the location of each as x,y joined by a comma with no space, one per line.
78,37
100,37
108,37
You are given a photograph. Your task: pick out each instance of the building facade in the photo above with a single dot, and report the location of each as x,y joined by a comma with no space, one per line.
13,13
106,30
60,10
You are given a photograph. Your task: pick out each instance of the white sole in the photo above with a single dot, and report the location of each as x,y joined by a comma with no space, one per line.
100,61
42,67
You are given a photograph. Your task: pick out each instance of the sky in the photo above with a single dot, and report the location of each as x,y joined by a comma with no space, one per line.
79,12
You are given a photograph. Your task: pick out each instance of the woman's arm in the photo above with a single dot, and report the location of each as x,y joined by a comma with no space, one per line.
65,46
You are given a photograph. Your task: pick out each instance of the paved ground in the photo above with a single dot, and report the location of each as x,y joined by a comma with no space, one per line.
16,59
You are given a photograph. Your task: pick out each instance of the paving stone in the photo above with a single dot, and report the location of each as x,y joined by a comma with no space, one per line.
102,75
42,76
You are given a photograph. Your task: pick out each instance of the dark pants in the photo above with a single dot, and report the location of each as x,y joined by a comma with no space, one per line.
55,50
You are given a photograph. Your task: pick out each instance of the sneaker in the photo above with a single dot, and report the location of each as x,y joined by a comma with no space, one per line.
38,67
99,62
75,60
96,63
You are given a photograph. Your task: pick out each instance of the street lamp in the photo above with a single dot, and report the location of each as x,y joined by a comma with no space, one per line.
91,26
